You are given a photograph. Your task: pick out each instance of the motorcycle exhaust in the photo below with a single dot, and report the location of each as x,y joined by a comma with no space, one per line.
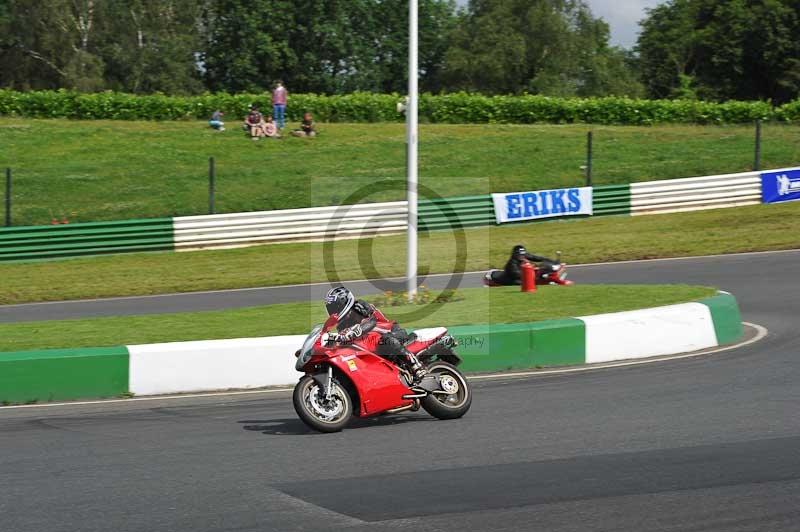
413,406
415,396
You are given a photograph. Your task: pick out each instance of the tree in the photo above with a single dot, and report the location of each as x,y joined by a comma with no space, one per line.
553,47
388,49
151,45
666,47
89,45
50,45
485,54
732,49
323,46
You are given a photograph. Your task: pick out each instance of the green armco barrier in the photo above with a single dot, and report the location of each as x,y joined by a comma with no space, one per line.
521,346
456,212
63,374
611,199
158,234
727,319
93,238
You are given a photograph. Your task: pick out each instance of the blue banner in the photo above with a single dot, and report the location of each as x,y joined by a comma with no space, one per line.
519,206
783,185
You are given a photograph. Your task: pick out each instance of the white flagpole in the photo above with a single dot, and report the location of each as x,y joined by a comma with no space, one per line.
411,139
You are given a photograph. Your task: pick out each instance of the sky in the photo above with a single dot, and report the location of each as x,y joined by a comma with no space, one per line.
622,15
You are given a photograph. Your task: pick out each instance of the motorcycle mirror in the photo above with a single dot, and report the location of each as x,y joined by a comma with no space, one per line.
558,256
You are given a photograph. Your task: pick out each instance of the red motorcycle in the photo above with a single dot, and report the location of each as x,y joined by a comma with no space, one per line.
342,380
547,272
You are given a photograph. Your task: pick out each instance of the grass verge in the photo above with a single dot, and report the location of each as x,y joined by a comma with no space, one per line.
110,170
754,228
497,305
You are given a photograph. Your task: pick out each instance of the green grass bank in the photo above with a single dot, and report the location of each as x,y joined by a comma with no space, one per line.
112,170
478,306
606,239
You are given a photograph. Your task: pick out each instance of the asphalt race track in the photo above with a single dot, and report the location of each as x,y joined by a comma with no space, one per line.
701,444
727,270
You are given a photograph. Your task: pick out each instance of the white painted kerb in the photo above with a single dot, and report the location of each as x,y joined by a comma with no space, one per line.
185,367
650,332
213,365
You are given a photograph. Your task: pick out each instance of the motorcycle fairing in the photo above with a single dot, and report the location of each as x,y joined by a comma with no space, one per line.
374,378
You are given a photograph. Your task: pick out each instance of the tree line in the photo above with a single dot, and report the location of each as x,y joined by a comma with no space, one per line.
722,49
708,49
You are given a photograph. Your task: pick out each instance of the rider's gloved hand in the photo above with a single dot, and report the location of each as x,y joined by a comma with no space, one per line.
348,335
339,339
330,339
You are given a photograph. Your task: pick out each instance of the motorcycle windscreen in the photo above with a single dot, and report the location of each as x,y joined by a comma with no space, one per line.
308,347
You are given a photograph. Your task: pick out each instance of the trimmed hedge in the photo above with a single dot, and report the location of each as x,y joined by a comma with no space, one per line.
455,108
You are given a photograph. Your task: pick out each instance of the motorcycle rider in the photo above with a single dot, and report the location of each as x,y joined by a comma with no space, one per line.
512,272
359,320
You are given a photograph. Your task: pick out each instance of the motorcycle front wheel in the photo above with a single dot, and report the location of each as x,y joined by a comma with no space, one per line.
457,401
319,412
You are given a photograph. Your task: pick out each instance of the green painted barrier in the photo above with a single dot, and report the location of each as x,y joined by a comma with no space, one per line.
93,238
63,374
521,345
455,213
727,319
611,199
493,347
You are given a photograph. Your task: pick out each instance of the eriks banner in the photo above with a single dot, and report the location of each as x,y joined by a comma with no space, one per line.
519,206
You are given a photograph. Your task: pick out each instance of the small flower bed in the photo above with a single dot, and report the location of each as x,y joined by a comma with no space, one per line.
423,297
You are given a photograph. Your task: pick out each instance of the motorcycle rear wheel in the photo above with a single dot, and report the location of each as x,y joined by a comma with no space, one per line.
451,406
317,412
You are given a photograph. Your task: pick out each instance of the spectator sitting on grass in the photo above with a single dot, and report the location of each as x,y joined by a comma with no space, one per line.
271,128
254,123
216,120
306,127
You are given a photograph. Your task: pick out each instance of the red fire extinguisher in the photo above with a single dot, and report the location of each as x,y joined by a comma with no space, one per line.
528,271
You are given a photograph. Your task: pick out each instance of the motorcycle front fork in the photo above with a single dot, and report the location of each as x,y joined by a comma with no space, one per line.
329,385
